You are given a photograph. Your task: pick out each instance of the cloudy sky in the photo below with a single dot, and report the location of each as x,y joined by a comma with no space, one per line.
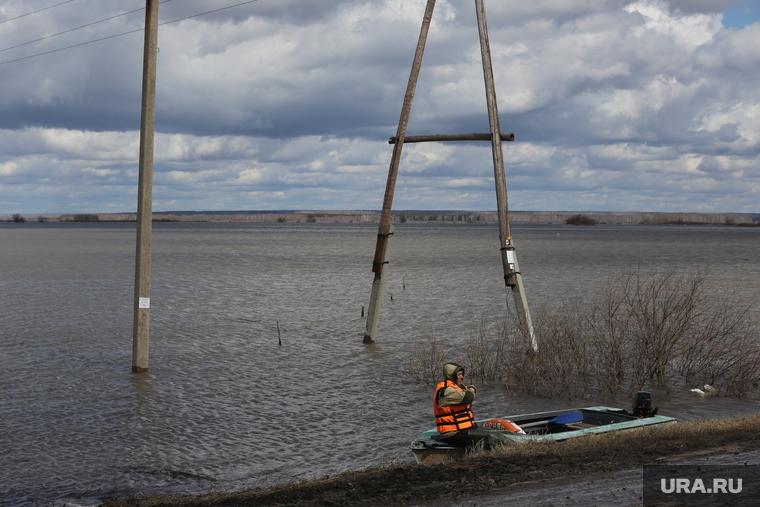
650,105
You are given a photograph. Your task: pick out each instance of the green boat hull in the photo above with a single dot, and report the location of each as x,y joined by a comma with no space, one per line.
539,427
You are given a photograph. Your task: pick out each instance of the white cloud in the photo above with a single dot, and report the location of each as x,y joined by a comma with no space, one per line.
686,30
8,168
742,120
101,173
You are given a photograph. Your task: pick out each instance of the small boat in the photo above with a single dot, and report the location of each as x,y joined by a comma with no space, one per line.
557,425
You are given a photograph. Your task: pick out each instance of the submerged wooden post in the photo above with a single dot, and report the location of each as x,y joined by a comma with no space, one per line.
384,229
141,322
512,276
373,312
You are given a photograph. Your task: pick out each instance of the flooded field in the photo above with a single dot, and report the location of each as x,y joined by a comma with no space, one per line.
223,406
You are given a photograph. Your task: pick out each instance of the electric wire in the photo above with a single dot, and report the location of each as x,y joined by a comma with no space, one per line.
77,28
124,33
35,12
208,12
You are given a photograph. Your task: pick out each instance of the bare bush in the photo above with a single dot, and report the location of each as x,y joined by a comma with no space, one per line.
426,360
663,308
485,355
581,220
561,367
644,331
663,330
723,350
608,334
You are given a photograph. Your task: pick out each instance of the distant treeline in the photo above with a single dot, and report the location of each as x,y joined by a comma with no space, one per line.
415,216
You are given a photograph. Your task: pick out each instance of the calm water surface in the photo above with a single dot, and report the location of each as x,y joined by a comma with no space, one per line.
223,406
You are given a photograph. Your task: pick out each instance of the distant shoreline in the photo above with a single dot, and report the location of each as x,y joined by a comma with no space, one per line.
413,216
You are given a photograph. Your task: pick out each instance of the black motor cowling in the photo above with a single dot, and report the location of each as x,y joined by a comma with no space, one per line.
642,405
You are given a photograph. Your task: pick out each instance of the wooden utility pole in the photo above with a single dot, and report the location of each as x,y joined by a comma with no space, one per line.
512,276
383,231
377,292
141,322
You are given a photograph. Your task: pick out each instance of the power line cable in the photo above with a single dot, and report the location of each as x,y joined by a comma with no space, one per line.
35,12
208,12
72,46
125,33
73,29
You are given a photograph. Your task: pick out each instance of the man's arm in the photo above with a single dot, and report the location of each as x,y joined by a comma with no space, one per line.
450,396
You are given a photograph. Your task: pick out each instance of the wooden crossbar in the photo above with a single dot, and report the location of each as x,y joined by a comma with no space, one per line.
451,137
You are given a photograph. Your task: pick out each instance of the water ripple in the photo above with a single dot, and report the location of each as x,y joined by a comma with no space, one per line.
223,406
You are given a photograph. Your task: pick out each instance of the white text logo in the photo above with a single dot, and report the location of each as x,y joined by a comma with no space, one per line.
698,486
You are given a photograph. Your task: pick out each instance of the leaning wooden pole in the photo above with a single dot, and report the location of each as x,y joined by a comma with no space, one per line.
383,231
512,276
141,322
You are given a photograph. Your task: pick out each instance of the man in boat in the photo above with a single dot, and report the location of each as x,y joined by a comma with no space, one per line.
452,404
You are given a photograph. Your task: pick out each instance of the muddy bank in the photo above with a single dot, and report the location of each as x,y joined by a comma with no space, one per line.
624,488
480,473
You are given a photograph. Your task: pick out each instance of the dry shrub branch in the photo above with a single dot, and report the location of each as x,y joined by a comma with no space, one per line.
662,330
426,360
485,356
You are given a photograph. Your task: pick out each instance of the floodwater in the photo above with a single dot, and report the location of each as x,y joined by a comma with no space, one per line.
223,407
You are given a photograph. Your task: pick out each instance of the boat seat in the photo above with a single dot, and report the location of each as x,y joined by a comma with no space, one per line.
533,424
580,425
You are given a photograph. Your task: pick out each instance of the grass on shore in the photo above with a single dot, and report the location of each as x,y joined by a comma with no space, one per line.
484,471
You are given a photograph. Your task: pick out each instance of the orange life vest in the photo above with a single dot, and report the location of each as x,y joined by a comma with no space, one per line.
455,417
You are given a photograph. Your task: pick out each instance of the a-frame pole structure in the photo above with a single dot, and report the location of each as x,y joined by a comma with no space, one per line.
141,321
512,276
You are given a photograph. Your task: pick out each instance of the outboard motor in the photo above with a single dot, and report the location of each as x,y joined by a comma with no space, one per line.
642,405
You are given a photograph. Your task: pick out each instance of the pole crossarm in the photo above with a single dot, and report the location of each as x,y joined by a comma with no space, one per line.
452,137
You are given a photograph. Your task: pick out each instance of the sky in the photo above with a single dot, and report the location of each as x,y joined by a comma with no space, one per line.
650,105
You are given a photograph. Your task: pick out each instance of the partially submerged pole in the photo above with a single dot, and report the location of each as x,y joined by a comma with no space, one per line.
512,276
384,229
141,322
378,284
